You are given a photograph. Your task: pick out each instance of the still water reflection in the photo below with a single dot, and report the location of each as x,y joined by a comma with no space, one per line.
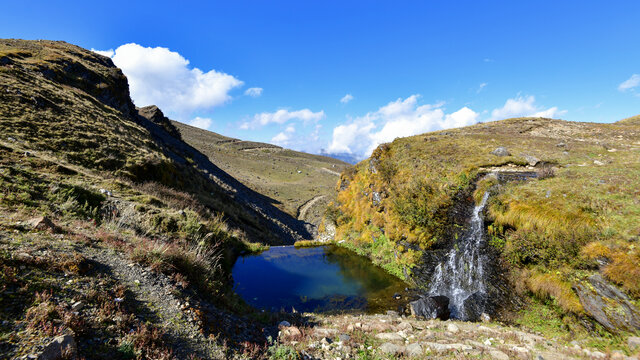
316,279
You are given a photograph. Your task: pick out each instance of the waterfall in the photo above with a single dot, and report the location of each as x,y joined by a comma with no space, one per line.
461,275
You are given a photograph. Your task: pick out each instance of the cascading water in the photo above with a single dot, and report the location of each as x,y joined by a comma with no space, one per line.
461,276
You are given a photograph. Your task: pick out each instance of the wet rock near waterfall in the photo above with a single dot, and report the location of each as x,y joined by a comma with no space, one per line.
431,307
461,273
473,307
608,305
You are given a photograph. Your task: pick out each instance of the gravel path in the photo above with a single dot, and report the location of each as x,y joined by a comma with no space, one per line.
302,213
156,301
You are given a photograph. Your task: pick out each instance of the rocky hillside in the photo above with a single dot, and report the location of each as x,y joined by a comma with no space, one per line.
73,105
563,236
115,235
298,183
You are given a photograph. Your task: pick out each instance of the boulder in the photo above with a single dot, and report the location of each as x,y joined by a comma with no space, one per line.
437,347
472,307
531,160
501,151
390,336
325,332
431,307
391,349
608,305
453,328
62,347
41,223
291,331
414,350
498,355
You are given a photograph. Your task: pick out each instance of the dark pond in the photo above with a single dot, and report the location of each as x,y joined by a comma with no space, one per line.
318,279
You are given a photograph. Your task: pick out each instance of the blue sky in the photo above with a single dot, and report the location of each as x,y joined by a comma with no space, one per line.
408,66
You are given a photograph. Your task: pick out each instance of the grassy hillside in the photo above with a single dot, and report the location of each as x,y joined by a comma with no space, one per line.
109,222
290,178
552,234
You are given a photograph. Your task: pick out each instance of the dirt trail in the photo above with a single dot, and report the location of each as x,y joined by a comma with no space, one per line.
156,299
330,171
302,212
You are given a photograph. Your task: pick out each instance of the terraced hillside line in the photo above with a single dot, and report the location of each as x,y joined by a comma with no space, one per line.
330,172
302,213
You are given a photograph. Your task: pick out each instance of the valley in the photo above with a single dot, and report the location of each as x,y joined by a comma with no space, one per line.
124,234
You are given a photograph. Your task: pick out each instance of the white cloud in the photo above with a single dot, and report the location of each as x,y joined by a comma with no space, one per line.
481,87
253,92
162,77
108,53
282,116
283,138
630,84
523,106
202,123
399,118
345,99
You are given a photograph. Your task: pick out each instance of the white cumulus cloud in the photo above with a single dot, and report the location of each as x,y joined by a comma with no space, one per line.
630,84
523,106
400,118
202,123
164,78
283,138
253,92
345,99
108,53
282,116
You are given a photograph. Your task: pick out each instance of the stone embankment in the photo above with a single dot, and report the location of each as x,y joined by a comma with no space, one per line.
394,336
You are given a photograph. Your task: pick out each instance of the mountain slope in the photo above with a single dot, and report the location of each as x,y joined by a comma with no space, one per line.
290,178
561,240
75,105
113,231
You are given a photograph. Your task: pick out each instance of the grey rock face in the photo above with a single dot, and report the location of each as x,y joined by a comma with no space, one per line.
608,305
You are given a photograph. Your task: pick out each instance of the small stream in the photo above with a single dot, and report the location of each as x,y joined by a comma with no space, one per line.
318,279
461,276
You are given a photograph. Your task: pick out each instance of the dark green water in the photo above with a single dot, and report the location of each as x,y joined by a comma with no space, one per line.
318,279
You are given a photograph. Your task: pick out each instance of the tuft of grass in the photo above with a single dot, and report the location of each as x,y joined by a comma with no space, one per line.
310,243
551,286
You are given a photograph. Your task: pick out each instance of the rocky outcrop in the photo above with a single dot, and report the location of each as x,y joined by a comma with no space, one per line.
608,305
155,115
431,307
473,307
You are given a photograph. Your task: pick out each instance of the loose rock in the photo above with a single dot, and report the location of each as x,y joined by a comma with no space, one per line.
61,347
453,328
501,151
414,350
389,336
391,349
